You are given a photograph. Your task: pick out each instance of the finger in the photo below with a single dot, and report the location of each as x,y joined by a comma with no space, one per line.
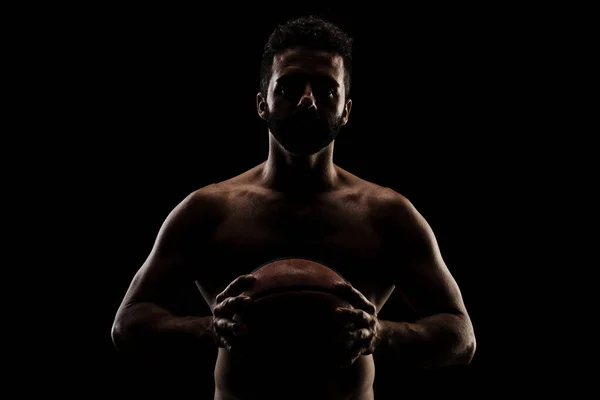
236,287
356,337
354,359
352,353
228,307
356,298
350,350
236,346
226,328
361,334
222,342
353,315
364,347
352,318
348,362
356,342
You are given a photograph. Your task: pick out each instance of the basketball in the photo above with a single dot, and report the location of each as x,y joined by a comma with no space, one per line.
293,305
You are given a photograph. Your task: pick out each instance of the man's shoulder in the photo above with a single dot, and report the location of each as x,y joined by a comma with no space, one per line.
204,202
208,196
389,205
379,198
218,195
386,207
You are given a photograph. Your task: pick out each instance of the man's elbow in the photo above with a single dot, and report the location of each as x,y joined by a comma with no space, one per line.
117,333
120,332
465,348
469,349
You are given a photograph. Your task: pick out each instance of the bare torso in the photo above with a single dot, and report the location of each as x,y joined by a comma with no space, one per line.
257,225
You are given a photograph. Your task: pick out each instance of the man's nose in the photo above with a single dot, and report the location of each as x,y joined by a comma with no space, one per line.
307,100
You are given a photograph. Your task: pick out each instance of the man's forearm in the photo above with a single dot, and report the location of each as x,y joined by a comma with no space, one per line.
436,341
145,328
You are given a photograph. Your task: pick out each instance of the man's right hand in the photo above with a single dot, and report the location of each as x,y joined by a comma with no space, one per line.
226,330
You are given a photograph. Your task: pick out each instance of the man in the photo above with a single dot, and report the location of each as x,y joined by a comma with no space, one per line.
299,203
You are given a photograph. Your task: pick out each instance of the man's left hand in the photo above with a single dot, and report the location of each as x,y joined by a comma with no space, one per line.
360,328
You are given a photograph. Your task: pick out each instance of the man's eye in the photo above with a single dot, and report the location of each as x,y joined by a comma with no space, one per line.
329,92
280,89
284,89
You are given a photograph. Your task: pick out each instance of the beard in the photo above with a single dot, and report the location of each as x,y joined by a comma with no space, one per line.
304,133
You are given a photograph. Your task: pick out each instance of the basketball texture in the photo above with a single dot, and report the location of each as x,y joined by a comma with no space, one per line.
293,306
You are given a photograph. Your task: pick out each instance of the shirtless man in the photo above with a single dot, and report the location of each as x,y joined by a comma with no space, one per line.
299,203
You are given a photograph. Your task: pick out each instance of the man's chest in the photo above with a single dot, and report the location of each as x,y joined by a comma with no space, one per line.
339,236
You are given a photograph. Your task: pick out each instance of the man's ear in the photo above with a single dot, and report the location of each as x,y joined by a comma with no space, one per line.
346,112
261,106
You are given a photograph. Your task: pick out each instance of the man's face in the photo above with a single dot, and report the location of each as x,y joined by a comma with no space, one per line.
305,106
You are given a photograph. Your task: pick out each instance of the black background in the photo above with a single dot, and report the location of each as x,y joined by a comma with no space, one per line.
447,110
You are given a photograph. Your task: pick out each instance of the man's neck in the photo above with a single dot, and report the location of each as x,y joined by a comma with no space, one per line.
299,174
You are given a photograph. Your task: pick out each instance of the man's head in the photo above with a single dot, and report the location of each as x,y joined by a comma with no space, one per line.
305,84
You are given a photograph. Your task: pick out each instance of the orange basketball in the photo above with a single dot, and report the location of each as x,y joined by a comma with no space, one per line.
293,307
295,277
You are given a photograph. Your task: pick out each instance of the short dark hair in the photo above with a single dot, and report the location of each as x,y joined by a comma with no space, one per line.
311,32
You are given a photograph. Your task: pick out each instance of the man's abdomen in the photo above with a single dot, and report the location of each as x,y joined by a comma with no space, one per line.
303,377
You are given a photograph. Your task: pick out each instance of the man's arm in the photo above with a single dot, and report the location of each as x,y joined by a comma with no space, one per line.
145,320
443,335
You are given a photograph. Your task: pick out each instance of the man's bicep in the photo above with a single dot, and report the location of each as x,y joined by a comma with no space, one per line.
167,273
422,276
429,288
158,281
